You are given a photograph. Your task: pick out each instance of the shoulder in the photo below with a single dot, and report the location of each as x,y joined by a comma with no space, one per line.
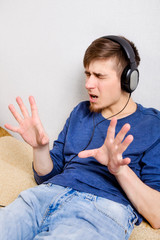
148,122
151,116
150,112
145,128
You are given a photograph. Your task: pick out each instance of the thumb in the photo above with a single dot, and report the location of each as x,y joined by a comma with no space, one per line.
87,153
45,140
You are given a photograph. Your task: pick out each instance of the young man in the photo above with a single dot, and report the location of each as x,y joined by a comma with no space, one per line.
102,175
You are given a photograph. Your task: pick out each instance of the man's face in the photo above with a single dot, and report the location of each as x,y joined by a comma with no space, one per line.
103,86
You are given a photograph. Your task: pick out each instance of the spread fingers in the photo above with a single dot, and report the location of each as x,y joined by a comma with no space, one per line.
16,115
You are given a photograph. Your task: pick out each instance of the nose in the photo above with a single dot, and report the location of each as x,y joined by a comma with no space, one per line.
90,82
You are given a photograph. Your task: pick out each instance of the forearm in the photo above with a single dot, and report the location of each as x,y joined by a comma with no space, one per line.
42,161
145,199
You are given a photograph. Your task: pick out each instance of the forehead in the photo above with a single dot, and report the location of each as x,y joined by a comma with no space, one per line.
102,65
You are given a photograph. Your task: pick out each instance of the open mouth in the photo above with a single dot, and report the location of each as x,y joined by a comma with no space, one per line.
93,97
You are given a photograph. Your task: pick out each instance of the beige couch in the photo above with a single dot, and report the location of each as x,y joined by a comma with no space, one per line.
16,175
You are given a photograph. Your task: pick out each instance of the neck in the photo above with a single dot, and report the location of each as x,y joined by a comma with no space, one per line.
125,108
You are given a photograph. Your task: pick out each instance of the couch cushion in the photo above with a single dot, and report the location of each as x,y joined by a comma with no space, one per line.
15,168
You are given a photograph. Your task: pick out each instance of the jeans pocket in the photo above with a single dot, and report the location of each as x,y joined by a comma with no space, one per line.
120,215
113,210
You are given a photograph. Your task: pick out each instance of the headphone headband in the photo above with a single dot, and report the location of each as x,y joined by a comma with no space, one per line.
125,45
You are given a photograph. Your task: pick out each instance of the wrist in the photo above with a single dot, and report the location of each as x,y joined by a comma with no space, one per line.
123,171
41,160
40,148
119,171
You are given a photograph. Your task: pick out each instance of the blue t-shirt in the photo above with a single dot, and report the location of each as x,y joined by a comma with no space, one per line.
87,174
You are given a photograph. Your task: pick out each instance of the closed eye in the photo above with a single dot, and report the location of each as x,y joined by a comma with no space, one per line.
97,75
87,74
100,76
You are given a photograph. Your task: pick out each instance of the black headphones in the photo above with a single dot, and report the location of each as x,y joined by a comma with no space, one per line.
130,75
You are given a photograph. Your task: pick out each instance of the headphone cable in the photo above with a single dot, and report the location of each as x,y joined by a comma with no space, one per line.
115,113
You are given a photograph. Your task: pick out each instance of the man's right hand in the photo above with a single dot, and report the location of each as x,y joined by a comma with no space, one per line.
30,127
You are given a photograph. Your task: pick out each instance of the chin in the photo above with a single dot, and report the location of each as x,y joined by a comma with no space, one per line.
94,108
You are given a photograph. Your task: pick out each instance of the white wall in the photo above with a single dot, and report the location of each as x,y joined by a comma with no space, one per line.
42,43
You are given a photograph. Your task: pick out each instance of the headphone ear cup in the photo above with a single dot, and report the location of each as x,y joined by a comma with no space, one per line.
129,79
125,79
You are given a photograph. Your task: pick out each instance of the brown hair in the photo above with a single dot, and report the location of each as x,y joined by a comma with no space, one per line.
103,48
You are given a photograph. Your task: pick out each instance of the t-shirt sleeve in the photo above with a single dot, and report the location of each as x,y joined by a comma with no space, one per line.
150,173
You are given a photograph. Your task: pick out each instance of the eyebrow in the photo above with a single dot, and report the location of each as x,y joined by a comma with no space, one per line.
96,74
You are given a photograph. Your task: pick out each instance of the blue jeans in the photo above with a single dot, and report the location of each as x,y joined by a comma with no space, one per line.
53,212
